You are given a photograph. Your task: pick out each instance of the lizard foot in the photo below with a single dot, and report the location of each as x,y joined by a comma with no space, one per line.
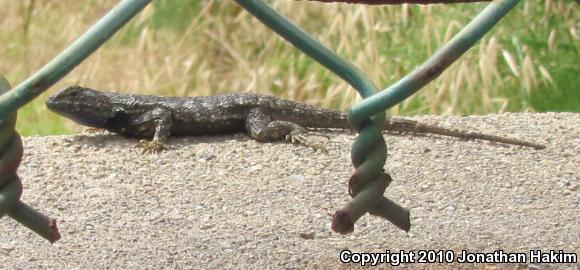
152,146
296,138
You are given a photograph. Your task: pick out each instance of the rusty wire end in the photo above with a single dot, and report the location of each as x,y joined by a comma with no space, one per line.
54,230
341,222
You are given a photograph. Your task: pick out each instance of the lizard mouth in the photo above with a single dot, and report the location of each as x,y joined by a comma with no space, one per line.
54,105
60,105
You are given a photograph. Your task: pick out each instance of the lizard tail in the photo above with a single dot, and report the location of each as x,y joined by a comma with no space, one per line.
309,116
405,125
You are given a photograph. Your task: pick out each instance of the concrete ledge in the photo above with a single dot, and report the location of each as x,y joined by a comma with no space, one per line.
230,202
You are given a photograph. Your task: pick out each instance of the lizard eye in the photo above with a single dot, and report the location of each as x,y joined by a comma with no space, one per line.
73,94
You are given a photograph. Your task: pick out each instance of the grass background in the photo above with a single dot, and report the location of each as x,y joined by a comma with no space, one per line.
529,62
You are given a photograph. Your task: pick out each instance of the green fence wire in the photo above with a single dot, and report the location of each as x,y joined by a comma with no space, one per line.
10,143
369,152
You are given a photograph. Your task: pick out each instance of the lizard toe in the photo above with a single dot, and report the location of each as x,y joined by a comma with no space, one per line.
152,146
298,139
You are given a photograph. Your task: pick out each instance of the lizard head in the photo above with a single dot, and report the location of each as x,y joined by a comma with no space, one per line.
82,105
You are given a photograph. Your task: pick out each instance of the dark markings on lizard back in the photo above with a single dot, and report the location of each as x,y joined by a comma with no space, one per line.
263,118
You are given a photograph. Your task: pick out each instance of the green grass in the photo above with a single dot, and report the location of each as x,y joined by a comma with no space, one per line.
563,61
529,62
34,119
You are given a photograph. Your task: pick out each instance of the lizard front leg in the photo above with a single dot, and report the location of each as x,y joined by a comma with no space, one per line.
160,120
261,127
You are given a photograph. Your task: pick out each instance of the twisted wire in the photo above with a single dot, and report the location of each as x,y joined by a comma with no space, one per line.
10,185
10,101
368,182
369,152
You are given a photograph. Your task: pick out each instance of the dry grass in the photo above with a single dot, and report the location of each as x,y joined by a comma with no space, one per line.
223,49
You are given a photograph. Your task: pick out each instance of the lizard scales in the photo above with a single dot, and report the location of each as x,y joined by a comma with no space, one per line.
263,118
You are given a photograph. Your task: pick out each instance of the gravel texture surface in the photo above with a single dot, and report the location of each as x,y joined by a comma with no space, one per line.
230,202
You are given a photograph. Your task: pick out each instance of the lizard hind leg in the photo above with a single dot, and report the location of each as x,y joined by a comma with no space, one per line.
159,120
261,127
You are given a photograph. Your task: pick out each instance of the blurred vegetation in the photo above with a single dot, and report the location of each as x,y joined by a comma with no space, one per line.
529,62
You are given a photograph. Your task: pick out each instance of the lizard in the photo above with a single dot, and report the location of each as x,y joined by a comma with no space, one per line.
262,117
